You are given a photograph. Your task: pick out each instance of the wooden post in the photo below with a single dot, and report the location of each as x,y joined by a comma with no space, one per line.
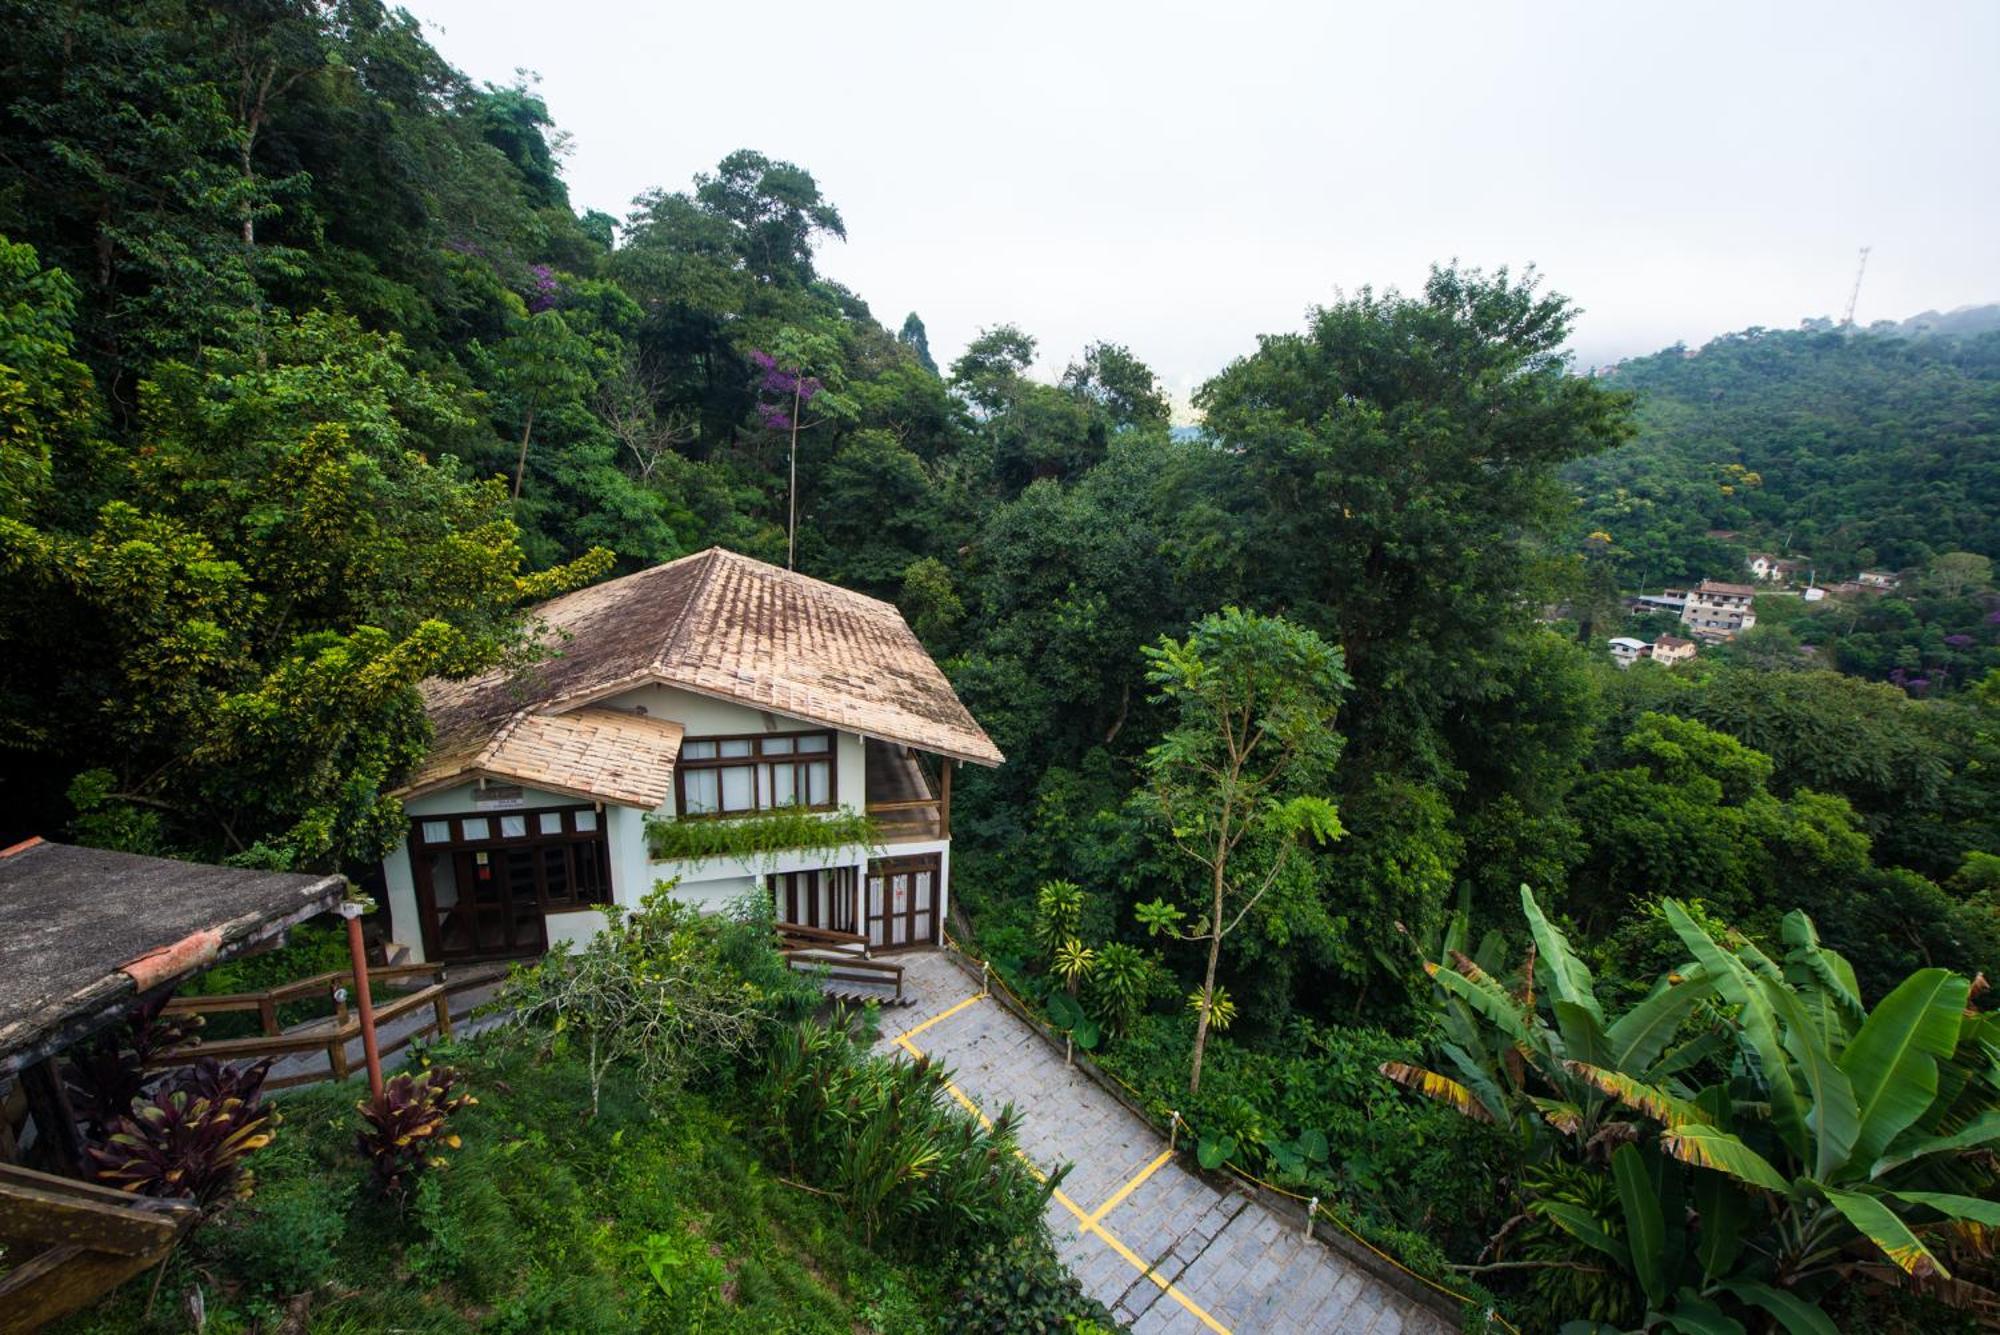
443,1008
55,1120
358,952
944,797
267,1015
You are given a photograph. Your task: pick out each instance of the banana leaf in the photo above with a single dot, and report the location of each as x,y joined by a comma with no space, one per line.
1892,1059
1880,1225
1645,1226
1760,1026
1794,1313
1642,1033
1835,1119
1982,1130
1712,1147
1569,977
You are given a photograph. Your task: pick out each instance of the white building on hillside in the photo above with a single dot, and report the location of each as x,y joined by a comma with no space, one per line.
1719,611
714,689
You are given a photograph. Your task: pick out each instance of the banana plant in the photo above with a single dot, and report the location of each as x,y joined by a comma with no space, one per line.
1833,1142
1511,1048
1860,1141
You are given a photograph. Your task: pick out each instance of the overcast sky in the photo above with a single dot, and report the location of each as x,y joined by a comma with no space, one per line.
1181,178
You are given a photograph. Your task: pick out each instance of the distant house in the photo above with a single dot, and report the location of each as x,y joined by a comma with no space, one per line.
1719,611
712,688
1672,649
1814,593
1776,569
1625,651
1666,600
1878,579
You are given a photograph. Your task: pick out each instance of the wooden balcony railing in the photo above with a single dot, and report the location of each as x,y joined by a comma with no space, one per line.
918,818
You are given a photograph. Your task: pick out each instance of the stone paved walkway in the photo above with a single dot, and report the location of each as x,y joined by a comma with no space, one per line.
1163,1249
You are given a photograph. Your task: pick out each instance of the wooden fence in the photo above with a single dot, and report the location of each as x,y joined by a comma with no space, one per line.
330,1036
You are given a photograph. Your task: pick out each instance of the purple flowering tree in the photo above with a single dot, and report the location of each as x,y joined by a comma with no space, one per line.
791,398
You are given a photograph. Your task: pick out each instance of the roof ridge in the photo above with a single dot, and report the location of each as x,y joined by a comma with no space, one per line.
682,628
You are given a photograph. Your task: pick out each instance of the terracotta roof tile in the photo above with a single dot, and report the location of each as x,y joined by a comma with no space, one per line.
721,625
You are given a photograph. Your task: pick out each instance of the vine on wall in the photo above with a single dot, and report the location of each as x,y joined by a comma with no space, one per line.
783,831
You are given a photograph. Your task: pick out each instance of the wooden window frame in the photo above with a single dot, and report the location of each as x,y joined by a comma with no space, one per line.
756,760
534,839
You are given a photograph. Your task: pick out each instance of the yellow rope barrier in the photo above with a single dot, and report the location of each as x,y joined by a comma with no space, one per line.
1313,1208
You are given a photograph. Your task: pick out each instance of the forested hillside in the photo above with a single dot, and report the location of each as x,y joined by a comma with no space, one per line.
311,377
1857,451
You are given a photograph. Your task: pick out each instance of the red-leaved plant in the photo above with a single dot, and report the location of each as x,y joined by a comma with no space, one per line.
107,1076
405,1125
190,1137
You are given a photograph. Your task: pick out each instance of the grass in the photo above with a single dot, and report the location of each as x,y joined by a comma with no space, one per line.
652,1216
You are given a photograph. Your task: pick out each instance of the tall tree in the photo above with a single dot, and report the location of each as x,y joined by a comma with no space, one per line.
1254,700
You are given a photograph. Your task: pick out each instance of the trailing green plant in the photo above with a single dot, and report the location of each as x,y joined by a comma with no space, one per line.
885,1139
1816,1140
190,1137
652,988
785,830
406,1125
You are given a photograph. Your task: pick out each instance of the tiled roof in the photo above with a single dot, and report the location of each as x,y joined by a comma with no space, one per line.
600,753
1717,586
716,624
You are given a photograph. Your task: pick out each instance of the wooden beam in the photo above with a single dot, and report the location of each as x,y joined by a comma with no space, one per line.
40,1208
55,1120
945,767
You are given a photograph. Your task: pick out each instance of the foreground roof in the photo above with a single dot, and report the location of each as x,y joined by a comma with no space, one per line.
84,932
716,624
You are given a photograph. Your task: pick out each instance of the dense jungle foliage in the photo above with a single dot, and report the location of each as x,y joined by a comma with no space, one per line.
1853,450
311,377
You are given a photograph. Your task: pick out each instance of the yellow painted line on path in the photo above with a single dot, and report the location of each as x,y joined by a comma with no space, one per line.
1129,1187
941,1015
1086,1223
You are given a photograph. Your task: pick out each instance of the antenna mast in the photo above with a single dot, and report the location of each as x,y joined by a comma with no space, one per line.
1847,321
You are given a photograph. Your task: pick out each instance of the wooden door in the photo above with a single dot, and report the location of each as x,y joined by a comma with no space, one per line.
902,902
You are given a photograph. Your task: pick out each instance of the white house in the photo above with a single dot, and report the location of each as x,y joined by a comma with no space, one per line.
1878,579
1719,611
1625,651
713,689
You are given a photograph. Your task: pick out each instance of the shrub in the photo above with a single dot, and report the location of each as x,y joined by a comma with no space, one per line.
190,1138
406,1125
284,1242
884,1138
1022,1290
1119,984
652,988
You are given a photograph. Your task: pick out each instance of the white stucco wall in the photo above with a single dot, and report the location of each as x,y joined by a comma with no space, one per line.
711,884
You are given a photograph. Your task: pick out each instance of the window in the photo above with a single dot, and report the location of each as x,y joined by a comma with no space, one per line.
726,776
555,858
